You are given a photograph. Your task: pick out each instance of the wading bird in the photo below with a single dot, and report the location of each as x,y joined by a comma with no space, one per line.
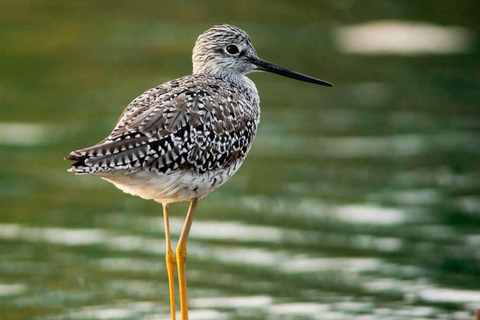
185,138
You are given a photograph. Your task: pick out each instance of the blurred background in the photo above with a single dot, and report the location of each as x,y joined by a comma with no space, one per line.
358,202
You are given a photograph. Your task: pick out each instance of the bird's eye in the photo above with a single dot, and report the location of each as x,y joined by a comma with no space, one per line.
232,49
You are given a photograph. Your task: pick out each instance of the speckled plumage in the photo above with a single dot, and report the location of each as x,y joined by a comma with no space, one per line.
184,138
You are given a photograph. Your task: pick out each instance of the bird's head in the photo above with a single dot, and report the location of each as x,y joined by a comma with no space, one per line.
227,52
223,50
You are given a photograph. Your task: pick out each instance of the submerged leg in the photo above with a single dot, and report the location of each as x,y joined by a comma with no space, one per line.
182,257
170,258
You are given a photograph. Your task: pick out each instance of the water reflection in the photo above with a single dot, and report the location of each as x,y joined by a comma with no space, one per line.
251,246
12,289
450,296
23,134
360,203
372,214
403,38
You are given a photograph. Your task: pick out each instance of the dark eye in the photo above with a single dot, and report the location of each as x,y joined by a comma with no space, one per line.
232,49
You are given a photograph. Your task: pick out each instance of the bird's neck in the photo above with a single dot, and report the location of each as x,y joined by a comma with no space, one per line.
240,81
246,85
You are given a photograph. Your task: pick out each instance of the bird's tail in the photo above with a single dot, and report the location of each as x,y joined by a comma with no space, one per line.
79,166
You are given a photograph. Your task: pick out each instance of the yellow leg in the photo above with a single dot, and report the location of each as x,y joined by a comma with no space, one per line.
170,258
182,257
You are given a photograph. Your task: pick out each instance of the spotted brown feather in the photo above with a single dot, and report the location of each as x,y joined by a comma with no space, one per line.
192,123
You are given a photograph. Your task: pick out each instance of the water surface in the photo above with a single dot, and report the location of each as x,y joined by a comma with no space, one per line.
358,202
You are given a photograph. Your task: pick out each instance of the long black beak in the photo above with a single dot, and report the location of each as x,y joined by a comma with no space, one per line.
270,67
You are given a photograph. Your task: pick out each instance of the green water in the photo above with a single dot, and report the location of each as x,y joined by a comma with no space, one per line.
357,202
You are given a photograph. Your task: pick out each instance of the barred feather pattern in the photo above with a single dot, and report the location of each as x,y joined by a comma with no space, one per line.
178,141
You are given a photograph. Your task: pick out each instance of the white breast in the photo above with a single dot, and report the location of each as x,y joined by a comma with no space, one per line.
175,186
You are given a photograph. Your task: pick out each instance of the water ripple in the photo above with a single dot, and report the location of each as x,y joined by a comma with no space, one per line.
402,38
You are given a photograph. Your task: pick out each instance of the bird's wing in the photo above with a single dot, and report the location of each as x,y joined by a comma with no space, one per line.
192,123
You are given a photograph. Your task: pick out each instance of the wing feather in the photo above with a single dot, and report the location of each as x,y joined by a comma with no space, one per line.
192,123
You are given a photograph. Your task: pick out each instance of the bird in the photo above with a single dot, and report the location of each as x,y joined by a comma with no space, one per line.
183,139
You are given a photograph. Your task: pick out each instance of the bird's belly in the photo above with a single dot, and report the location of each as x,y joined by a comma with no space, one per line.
175,186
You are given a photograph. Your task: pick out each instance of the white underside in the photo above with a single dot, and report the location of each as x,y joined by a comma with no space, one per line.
171,187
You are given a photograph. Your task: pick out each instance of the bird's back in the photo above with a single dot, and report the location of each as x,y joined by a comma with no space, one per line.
193,131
